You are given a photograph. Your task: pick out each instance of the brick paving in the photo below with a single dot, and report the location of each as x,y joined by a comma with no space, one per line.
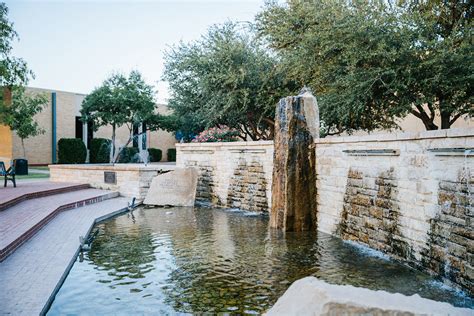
29,276
20,222
10,196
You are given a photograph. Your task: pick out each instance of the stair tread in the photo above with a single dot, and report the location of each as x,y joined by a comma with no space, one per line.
20,218
30,274
11,196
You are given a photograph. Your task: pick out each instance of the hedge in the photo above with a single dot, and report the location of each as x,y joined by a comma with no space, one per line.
71,151
129,155
155,154
171,154
100,150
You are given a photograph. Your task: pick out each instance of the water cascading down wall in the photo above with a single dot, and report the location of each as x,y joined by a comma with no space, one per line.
294,164
408,194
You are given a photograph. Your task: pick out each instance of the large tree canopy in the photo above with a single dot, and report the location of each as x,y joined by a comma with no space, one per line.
121,101
225,78
371,62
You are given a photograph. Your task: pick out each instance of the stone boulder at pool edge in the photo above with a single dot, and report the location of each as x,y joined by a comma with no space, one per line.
174,188
310,296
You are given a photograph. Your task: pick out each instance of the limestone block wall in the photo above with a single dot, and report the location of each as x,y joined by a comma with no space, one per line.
234,175
132,180
407,194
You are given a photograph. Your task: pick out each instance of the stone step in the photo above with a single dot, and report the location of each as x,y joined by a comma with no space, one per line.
20,222
10,196
30,276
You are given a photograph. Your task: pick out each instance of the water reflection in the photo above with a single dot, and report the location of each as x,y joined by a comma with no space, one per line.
185,260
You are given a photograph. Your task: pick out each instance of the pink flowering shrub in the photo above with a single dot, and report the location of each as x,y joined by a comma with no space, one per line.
217,134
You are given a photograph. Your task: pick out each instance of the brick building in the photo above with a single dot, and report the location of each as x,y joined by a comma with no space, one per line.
61,119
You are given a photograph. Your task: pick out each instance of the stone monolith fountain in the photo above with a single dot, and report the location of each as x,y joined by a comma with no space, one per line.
294,163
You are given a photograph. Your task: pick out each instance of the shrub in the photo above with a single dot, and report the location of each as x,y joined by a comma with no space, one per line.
71,151
171,154
129,155
100,150
217,134
155,154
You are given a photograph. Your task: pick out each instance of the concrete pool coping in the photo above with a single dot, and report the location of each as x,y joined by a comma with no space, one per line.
98,220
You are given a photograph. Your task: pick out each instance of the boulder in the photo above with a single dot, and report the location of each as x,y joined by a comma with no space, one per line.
174,188
310,296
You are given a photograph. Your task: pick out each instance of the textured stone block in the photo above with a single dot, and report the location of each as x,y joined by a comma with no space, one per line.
175,188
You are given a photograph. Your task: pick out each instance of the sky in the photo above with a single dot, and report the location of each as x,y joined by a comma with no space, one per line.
74,45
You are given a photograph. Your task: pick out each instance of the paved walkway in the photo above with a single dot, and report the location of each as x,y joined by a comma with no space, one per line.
20,222
30,275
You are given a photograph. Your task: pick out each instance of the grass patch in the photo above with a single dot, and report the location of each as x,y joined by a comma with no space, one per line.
33,176
40,168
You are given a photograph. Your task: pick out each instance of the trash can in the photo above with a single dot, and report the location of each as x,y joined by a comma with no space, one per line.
21,167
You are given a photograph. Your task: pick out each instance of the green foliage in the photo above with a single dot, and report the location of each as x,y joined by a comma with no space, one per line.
129,155
171,154
225,78
19,115
99,150
13,71
120,101
71,151
155,154
371,62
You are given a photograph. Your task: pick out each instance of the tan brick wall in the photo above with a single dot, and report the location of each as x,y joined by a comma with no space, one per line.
5,145
38,149
68,104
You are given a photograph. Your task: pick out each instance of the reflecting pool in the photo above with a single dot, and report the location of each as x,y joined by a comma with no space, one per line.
185,260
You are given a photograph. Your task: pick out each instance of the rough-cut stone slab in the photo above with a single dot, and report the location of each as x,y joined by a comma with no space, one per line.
294,164
310,296
175,188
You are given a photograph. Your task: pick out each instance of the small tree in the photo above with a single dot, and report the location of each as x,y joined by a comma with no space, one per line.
119,101
19,116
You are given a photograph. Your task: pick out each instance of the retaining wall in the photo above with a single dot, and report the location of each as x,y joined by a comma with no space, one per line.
406,194
130,180
234,175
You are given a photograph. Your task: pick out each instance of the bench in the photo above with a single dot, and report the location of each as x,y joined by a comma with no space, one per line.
9,173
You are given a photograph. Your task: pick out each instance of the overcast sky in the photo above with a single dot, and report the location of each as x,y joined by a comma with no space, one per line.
74,45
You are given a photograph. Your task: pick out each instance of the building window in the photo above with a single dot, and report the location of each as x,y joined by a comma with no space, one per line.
136,136
79,127
80,130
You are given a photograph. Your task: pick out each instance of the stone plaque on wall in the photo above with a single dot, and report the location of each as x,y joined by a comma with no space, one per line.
175,188
110,177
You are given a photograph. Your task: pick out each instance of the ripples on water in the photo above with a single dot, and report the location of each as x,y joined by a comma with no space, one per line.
184,260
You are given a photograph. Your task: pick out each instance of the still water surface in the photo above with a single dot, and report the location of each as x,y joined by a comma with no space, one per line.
184,260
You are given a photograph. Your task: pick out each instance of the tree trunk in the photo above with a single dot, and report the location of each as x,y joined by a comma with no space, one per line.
427,121
112,148
445,120
23,145
429,125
